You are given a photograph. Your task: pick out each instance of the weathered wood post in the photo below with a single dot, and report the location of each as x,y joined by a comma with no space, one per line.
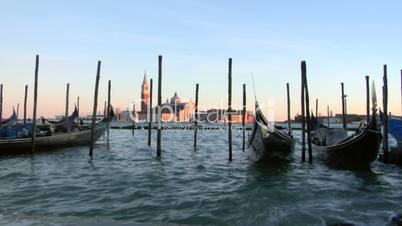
303,111
288,108
328,116
316,107
104,116
78,109
244,117
346,108
133,126
109,106
150,113
159,131
104,110
367,98
18,110
385,106
25,104
92,141
196,115
35,104
343,107
67,100
310,152
1,103
230,108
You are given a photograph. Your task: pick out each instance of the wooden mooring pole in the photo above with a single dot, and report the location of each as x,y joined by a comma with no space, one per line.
288,108
104,116
310,152
230,108
385,106
92,141
303,74
109,106
35,104
316,107
25,104
67,100
150,112
343,107
104,110
196,115
367,98
159,131
78,109
133,126
18,110
328,116
244,116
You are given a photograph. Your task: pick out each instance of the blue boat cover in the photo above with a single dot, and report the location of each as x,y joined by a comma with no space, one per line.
395,128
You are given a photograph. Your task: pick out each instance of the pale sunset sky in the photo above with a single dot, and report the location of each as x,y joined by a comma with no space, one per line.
342,41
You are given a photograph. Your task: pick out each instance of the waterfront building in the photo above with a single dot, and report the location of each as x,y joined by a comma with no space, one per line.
177,110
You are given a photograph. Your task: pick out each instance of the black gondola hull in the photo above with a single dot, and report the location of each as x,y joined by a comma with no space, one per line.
358,151
46,143
268,143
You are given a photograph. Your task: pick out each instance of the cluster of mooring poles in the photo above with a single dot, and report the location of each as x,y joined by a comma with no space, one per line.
306,114
306,119
35,104
196,112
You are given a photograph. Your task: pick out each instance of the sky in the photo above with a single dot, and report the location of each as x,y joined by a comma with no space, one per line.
341,41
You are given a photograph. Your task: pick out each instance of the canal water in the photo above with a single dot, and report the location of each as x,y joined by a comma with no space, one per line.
127,185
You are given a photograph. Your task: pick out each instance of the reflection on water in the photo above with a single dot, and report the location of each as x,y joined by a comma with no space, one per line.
126,183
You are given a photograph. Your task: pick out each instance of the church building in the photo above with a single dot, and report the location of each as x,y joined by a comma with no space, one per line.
145,95
172,111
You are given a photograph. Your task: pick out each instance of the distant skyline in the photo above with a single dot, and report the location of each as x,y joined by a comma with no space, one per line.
341,41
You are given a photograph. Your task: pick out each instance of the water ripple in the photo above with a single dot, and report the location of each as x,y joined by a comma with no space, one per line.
127,184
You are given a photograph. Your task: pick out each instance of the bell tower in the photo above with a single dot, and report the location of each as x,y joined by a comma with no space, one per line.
145,94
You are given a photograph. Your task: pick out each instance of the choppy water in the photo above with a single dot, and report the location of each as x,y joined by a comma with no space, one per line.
127,184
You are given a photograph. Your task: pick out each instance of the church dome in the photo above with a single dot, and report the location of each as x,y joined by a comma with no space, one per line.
175,99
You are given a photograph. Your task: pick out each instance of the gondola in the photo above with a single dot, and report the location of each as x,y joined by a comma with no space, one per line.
16,138
355,151
43,143
268,142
